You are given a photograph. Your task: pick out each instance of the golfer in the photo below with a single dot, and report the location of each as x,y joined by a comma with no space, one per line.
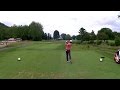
68,50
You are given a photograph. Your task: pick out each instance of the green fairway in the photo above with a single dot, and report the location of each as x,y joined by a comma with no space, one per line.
47,60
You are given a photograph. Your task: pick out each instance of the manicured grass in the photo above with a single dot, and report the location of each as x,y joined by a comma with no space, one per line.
47,60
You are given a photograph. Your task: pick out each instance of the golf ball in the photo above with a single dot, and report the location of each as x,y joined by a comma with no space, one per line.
100,59
18,58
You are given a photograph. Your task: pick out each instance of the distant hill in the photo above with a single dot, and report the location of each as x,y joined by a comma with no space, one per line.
2,25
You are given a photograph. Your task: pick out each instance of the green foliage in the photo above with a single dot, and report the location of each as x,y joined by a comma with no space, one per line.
49,36
32,32
45,36
36,31
78,42
86,37
68,37
106,42
105,34
99,42
56,34
111,44
78,37
92,35
102,36
3,31
73,37
117,41
116,34
63,35
91,42
82,33
2,25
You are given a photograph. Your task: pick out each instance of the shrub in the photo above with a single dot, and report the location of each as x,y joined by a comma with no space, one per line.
91,42
77,42
99,42
117,41
111,44
106,42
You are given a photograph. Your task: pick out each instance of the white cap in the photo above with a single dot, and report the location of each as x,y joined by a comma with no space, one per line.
70,40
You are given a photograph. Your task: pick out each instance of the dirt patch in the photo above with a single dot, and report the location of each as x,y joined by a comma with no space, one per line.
2,45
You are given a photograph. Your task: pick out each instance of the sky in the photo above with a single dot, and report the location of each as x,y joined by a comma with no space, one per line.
68,22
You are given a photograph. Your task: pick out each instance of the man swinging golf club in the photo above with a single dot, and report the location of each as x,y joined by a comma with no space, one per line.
68,45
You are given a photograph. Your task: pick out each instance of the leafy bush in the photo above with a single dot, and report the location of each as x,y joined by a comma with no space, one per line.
111,44
117,41
77,42
91,42
106,42
99,42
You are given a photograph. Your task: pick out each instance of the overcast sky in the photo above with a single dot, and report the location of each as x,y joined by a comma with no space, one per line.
68,22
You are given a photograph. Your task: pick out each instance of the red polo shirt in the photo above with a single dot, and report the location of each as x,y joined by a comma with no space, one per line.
68,46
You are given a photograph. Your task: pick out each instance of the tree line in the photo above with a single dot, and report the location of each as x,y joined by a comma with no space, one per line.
83,35
104,34
33,31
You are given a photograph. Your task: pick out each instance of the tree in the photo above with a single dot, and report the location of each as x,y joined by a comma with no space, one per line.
108,33
102,36
67,37
63,35
117,41
13,31
78,37
48,36
32,32
73,37
116,34
36,31
2,25
45,36
92,35
86,36
82,33
56,34
7,33
3,31
25,34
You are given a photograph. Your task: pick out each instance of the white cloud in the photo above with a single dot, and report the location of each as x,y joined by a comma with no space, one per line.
68,22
